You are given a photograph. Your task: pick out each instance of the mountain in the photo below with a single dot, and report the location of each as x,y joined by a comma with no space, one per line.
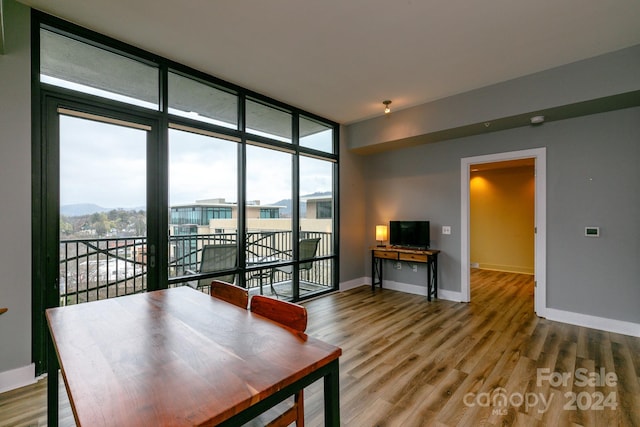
288,204
79,209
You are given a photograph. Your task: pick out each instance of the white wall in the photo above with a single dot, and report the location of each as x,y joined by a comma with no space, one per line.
15,194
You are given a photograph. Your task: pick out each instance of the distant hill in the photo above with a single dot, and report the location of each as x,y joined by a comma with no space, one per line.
79,209
288,204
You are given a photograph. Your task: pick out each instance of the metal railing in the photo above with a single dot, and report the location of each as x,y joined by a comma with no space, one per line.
95,269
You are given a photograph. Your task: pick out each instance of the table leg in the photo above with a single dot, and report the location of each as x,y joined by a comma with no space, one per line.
332,396
373,271
435,275
429,278
376,272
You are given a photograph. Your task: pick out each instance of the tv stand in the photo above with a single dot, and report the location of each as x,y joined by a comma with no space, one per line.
393,253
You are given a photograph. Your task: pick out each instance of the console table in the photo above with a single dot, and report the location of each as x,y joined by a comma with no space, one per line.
429,257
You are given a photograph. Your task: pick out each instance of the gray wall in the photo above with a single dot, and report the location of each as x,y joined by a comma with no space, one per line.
592,136
15,190
352,213
593,178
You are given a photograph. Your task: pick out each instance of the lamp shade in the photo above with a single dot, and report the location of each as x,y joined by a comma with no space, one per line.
381,232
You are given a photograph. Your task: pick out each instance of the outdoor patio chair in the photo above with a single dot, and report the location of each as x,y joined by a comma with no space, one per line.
307,249
216,258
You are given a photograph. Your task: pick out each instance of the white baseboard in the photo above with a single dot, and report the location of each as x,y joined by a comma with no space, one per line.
449,295
505,268
419,290
352,284
594,322
17,378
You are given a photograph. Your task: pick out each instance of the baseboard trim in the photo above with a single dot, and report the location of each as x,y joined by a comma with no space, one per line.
420,290
504,268
355,283
16,378
594,322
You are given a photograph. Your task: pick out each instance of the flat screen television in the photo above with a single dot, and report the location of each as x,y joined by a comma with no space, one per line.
409,234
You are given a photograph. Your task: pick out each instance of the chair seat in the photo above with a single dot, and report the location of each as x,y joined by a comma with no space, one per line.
288,269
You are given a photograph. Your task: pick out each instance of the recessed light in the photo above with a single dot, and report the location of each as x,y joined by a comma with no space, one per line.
536,120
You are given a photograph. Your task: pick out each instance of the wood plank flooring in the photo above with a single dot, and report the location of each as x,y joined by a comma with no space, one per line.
409,362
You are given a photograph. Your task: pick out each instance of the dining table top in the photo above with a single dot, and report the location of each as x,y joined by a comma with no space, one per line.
175,357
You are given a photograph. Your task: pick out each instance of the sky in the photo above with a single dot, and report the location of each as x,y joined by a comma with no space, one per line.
105,164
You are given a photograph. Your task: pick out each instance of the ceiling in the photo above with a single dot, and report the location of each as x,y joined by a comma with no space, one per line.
341,58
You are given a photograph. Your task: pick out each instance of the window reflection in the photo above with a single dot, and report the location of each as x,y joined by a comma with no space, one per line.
268,121
78,66
202,102
316,135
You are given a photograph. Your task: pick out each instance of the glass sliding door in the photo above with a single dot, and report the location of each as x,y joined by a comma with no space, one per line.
102,208
203,207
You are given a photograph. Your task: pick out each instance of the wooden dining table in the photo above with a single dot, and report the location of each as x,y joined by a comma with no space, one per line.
178,357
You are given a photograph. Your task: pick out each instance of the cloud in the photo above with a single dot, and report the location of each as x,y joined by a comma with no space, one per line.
105,164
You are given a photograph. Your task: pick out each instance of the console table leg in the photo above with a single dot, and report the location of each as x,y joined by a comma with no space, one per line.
429,281
376,272
435,275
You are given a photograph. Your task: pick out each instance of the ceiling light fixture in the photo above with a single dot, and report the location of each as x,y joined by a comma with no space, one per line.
536,120
387,109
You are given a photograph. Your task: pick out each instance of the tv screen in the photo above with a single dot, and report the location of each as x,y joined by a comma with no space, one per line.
409,234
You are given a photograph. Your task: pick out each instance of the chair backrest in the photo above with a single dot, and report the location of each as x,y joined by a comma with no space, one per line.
217,258
230,293
291,315
307,250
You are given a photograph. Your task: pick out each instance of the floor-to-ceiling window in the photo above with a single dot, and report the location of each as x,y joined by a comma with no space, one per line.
149,174
101,249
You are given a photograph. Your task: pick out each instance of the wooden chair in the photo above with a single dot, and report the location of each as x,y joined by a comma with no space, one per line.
293,316
230,293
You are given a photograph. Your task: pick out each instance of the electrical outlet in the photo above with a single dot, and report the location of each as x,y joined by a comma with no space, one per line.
398,266
414,267
446,229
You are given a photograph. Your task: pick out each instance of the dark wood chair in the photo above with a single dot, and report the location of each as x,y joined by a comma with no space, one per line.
292,316
230,293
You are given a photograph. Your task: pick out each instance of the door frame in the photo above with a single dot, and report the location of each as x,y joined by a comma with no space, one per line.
46,209
540,221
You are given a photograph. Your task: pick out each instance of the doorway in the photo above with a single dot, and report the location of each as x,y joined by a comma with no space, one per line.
539,157
97,209
102,207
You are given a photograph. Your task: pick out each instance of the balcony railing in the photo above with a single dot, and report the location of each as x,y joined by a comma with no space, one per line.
95,269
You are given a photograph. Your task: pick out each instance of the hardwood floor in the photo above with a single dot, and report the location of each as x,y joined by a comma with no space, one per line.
409,362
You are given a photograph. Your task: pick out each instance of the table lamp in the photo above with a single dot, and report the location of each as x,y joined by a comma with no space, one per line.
381,234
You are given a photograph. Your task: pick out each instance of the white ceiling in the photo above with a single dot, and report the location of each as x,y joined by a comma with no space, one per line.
341,58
